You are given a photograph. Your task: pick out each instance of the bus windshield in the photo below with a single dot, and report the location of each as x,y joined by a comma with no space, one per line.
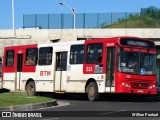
142,63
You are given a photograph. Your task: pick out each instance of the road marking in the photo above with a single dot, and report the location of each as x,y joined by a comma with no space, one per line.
51,119
112,112
123,110
107,113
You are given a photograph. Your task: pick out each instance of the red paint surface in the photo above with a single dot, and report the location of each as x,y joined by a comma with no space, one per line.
18,50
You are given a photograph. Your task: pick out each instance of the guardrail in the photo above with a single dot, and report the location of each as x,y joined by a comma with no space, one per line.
92,20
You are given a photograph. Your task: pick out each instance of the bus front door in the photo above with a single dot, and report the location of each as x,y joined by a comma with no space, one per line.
110,69
60,72
19,71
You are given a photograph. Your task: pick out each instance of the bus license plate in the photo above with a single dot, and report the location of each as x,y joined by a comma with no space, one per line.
140,91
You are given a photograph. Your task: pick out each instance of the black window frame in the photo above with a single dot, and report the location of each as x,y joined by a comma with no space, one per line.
77,54
92,54
9,62
45,56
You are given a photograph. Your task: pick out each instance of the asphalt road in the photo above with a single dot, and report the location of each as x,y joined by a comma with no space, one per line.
107,108
77,107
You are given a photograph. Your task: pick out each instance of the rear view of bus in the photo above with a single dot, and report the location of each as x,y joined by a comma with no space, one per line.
136,63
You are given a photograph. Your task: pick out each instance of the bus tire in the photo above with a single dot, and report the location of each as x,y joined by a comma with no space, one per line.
92,91
31,91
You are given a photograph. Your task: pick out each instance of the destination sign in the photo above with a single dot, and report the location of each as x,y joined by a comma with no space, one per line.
137,42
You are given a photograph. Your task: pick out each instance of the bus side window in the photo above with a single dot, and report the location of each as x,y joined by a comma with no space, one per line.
94,53
31,56
9,58
77,54
45,56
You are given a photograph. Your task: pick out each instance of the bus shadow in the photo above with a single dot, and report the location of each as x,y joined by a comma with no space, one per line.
104,97
129,98
4,90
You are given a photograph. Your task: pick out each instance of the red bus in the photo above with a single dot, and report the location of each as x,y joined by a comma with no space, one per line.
106,65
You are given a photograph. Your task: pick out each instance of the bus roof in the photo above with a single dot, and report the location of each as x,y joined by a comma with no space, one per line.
96,40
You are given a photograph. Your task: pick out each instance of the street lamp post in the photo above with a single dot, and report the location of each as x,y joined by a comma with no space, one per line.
74,17
13,18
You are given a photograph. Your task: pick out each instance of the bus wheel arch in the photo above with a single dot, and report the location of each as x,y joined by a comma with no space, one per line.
30,87
92,89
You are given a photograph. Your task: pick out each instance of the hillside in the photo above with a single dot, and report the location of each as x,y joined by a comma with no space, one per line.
137,21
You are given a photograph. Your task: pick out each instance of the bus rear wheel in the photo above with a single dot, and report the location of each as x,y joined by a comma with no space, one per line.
31,89
92,91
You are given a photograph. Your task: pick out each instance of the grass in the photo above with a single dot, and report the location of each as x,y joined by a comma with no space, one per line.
136,22
12,99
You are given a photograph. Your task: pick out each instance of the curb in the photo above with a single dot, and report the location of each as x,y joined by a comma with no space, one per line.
29,107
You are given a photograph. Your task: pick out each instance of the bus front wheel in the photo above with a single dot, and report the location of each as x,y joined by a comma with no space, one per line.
92,91
31,88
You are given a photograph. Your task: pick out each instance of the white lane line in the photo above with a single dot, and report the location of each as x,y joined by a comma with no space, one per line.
51,119
112,112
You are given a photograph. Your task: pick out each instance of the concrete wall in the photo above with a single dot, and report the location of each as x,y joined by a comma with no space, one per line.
29,36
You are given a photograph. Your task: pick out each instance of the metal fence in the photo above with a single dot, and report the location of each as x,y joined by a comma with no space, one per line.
92,20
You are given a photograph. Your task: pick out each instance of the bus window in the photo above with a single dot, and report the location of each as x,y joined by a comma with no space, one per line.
94,53
61,61
9,57
136,62
31,56
77,54
45,56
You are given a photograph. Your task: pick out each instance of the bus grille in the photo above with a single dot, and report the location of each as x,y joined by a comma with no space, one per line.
140,85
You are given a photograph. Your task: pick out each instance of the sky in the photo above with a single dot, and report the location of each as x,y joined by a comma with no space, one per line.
52,7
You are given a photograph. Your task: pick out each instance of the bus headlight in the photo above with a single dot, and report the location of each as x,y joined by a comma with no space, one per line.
125,85
152,86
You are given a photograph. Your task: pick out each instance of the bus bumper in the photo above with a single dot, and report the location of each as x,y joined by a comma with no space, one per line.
122,89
